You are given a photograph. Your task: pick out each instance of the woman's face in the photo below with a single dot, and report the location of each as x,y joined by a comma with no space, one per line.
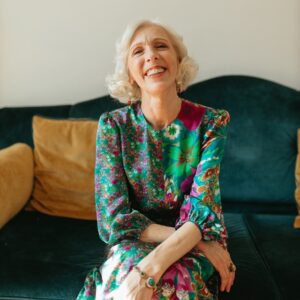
152,60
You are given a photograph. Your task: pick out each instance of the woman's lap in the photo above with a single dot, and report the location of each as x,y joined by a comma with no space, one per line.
191,277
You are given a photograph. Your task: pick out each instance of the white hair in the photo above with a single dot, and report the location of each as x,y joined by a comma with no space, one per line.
118,83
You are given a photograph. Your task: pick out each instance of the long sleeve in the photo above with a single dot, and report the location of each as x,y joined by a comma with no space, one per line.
202,205
115,218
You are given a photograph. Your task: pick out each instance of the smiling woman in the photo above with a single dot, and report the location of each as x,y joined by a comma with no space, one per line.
152,61
157,179
119,85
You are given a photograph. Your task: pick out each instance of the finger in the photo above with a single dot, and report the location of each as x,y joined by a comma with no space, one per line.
230,276
224,277
225,274
220,262
233,278
230,281
227,277
221,267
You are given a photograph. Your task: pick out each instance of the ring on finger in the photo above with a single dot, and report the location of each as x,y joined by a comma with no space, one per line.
231,267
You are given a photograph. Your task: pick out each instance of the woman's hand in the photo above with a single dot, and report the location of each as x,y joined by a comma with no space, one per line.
220,259
133,288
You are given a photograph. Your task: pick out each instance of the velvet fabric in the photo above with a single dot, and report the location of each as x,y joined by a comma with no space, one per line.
16,122
278,244
46,257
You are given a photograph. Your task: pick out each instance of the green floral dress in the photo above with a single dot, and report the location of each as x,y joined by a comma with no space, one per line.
168,176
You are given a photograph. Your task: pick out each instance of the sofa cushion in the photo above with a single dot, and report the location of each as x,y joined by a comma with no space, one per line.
16,180
48,246
278,243
47,257
64,155
253,278
297,191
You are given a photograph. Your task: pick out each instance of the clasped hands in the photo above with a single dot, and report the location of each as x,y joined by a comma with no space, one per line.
133,287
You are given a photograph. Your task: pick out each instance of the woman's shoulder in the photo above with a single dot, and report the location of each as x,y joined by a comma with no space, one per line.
208,109
208,113
120,115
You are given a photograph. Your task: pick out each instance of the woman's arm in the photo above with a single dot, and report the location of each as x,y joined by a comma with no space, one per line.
177,244
158,260
159,233
156,233
115,218
170,250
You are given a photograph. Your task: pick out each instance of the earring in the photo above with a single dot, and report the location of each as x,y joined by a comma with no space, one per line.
178,86
130,96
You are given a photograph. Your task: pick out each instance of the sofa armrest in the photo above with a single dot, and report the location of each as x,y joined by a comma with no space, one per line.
16,180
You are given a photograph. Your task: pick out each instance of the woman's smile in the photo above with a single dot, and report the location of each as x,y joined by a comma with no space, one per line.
155,72
152,60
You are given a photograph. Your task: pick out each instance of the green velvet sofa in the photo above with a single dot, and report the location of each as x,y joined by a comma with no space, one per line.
47,257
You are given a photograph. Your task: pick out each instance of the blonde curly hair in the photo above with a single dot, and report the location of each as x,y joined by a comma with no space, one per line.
118,83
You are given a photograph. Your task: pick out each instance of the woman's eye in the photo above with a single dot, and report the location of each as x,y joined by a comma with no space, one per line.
137,51
161,46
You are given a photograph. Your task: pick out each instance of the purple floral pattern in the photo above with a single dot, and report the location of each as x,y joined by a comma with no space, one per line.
141,171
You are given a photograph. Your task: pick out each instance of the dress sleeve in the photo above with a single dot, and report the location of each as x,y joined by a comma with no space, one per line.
203,205
116,219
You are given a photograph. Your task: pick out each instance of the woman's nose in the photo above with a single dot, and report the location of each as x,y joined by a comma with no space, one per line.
151,55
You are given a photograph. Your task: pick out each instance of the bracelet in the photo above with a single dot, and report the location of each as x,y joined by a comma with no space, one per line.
150,282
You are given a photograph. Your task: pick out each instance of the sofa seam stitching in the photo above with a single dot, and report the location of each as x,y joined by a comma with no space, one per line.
259,252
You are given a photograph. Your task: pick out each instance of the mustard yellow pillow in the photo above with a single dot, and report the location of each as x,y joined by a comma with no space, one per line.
16,180
64,156
297,191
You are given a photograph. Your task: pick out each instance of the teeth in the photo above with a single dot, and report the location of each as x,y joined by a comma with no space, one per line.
155,71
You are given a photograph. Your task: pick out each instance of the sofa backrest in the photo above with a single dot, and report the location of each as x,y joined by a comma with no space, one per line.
257,171
16,122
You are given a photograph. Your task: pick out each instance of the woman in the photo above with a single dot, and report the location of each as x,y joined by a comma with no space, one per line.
156,177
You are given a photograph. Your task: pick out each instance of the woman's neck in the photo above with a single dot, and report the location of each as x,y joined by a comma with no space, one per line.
160,111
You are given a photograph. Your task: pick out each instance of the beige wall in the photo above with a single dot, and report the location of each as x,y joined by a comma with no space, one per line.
59,51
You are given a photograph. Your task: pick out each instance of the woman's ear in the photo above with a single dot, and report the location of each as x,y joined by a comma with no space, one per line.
130,79
178,79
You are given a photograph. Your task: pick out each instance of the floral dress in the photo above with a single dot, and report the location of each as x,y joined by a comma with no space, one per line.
167,176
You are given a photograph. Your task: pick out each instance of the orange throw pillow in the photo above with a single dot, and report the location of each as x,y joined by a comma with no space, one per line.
64,156
297,191
16,180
